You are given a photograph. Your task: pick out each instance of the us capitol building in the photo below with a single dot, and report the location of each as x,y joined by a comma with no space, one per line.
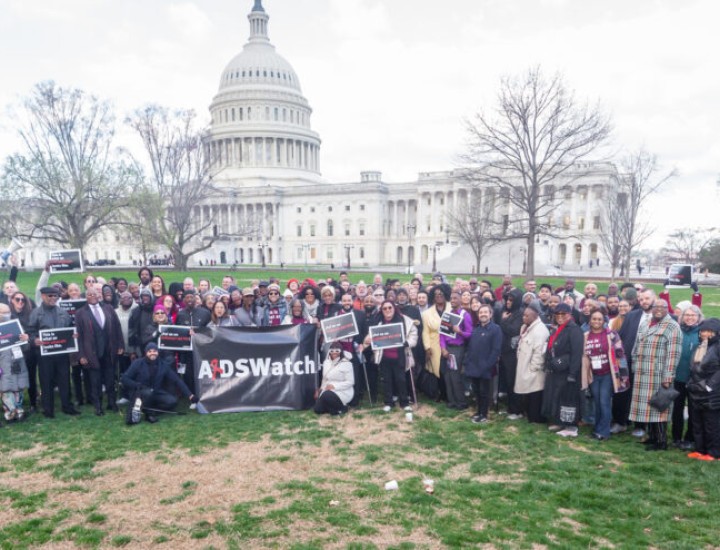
274,205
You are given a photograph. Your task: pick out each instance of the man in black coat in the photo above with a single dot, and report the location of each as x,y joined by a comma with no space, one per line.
190,316
54,369
100,342
146,379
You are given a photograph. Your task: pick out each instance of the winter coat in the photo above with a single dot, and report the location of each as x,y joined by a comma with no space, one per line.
530,376
510,326
483,351
655,358
280,306
9,381
704,384
340,375
138,377
431,337
690,342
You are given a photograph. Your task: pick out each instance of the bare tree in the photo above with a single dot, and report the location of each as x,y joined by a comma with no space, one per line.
70,182
611,230
687,244
637,182
537,134
180,176
473,222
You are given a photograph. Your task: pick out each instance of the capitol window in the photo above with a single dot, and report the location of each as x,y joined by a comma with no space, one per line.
362,207
299,209
312,230
347,208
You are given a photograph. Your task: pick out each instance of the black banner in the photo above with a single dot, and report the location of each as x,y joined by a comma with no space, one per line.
66,261
58,340
71,306
387,336
10,332
240,369
174,337
339,327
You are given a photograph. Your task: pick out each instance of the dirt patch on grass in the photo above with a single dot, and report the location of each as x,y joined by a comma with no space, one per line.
181,494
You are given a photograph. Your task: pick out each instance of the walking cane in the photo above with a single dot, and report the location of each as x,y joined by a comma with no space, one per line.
412,385
367,381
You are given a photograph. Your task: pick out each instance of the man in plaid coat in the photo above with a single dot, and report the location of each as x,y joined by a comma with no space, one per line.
655,355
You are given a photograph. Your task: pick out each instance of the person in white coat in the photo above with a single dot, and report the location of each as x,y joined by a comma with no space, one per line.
338,381
530,378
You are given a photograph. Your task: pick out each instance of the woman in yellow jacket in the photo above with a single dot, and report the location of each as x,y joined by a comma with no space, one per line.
431,327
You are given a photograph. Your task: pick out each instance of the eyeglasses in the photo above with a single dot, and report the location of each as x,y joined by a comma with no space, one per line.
273,292
19,300
90,281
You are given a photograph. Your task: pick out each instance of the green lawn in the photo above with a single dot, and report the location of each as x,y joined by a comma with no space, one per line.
294,480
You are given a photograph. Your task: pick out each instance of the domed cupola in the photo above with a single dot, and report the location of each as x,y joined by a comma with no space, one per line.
260,119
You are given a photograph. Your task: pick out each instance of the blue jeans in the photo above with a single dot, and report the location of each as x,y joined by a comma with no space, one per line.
602,391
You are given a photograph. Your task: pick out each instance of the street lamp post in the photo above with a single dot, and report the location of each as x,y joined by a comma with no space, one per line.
437,245
410,231
262,252
348,247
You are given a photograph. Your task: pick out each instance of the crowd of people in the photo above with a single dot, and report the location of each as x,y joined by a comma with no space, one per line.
554,356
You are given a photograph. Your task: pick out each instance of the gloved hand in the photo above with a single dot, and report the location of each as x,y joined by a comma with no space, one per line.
571,379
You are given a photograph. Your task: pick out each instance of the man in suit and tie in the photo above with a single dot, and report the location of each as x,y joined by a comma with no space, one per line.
100,343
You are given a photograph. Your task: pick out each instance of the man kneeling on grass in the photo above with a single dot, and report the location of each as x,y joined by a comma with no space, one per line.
145,380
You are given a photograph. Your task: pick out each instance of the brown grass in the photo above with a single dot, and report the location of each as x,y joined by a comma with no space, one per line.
129,490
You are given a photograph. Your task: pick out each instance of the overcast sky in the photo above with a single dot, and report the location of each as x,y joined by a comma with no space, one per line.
391,82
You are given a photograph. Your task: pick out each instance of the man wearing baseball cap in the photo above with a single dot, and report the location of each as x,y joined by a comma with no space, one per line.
54,369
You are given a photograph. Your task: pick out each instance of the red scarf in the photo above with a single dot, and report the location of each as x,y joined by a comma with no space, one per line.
555,334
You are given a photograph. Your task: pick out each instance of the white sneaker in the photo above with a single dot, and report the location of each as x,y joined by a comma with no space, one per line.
387,408
122,401
408,409
568,432
514,416
554,428
639,432
193,406
618,429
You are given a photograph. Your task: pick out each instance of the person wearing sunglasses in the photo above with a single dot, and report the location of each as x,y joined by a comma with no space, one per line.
562,402
275,307
20,308
310,296
336,388
393,362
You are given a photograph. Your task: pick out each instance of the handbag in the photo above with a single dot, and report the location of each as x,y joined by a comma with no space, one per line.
557,364
663,398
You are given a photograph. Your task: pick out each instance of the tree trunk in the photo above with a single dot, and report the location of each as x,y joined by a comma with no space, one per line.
531,254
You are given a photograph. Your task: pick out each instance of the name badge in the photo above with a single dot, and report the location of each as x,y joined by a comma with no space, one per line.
596,362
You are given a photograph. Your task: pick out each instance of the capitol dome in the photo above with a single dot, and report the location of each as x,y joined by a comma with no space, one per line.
260,118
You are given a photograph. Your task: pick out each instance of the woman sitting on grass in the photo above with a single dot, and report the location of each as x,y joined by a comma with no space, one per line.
336,389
